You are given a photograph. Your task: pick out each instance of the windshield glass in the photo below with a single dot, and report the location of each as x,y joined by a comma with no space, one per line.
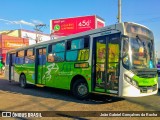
142,53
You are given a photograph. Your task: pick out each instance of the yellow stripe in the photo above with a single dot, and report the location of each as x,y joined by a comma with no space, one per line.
39,85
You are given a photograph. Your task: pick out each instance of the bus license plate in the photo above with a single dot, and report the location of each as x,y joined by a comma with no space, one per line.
149,90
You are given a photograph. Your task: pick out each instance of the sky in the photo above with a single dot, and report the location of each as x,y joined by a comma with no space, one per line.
25,14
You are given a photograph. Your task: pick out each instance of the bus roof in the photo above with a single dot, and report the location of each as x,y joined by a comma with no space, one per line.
138,24
90,32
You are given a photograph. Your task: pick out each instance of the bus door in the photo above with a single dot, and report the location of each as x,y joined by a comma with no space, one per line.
40,66
11,60
106,63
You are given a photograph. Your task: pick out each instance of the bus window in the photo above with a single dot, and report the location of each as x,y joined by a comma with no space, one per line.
8,59
72,55
30,58
20,57
12,59
42,56
56,52
59,57
77,44
58,47
78,49
84,53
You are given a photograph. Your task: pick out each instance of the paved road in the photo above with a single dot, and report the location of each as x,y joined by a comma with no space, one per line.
150,102
15,98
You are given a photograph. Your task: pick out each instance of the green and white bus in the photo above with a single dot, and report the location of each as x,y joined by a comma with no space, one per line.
118,59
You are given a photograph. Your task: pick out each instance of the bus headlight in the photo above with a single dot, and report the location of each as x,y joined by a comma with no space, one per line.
134,83
130,80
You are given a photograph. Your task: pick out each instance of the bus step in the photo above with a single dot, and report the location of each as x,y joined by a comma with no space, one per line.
39,85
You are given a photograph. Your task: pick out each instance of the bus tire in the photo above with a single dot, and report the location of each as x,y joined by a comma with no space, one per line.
22,81
80,89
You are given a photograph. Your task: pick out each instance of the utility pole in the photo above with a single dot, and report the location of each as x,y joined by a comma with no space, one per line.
38,30
119,11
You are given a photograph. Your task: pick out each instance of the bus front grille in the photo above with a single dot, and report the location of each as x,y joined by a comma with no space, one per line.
148,89
147,76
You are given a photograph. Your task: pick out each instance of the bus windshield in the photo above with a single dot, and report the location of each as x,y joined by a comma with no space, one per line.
141,53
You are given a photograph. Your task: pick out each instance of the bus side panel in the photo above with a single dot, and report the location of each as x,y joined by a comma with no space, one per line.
29,71
10,73
15,75
17,71
59,75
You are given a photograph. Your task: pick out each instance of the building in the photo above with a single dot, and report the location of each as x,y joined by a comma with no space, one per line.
10,42
33,37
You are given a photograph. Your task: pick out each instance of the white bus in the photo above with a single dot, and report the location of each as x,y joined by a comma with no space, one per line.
117,59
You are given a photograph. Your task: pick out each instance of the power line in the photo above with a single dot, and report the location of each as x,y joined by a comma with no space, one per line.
38,28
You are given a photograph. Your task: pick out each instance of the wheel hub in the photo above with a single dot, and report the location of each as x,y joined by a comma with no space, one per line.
82,89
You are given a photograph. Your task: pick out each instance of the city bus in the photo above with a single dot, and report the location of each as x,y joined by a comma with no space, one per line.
115,60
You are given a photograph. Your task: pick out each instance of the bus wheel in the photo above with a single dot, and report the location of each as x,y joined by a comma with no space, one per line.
22,81
80,89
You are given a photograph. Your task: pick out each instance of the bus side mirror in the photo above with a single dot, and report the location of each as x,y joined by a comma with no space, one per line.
50,58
